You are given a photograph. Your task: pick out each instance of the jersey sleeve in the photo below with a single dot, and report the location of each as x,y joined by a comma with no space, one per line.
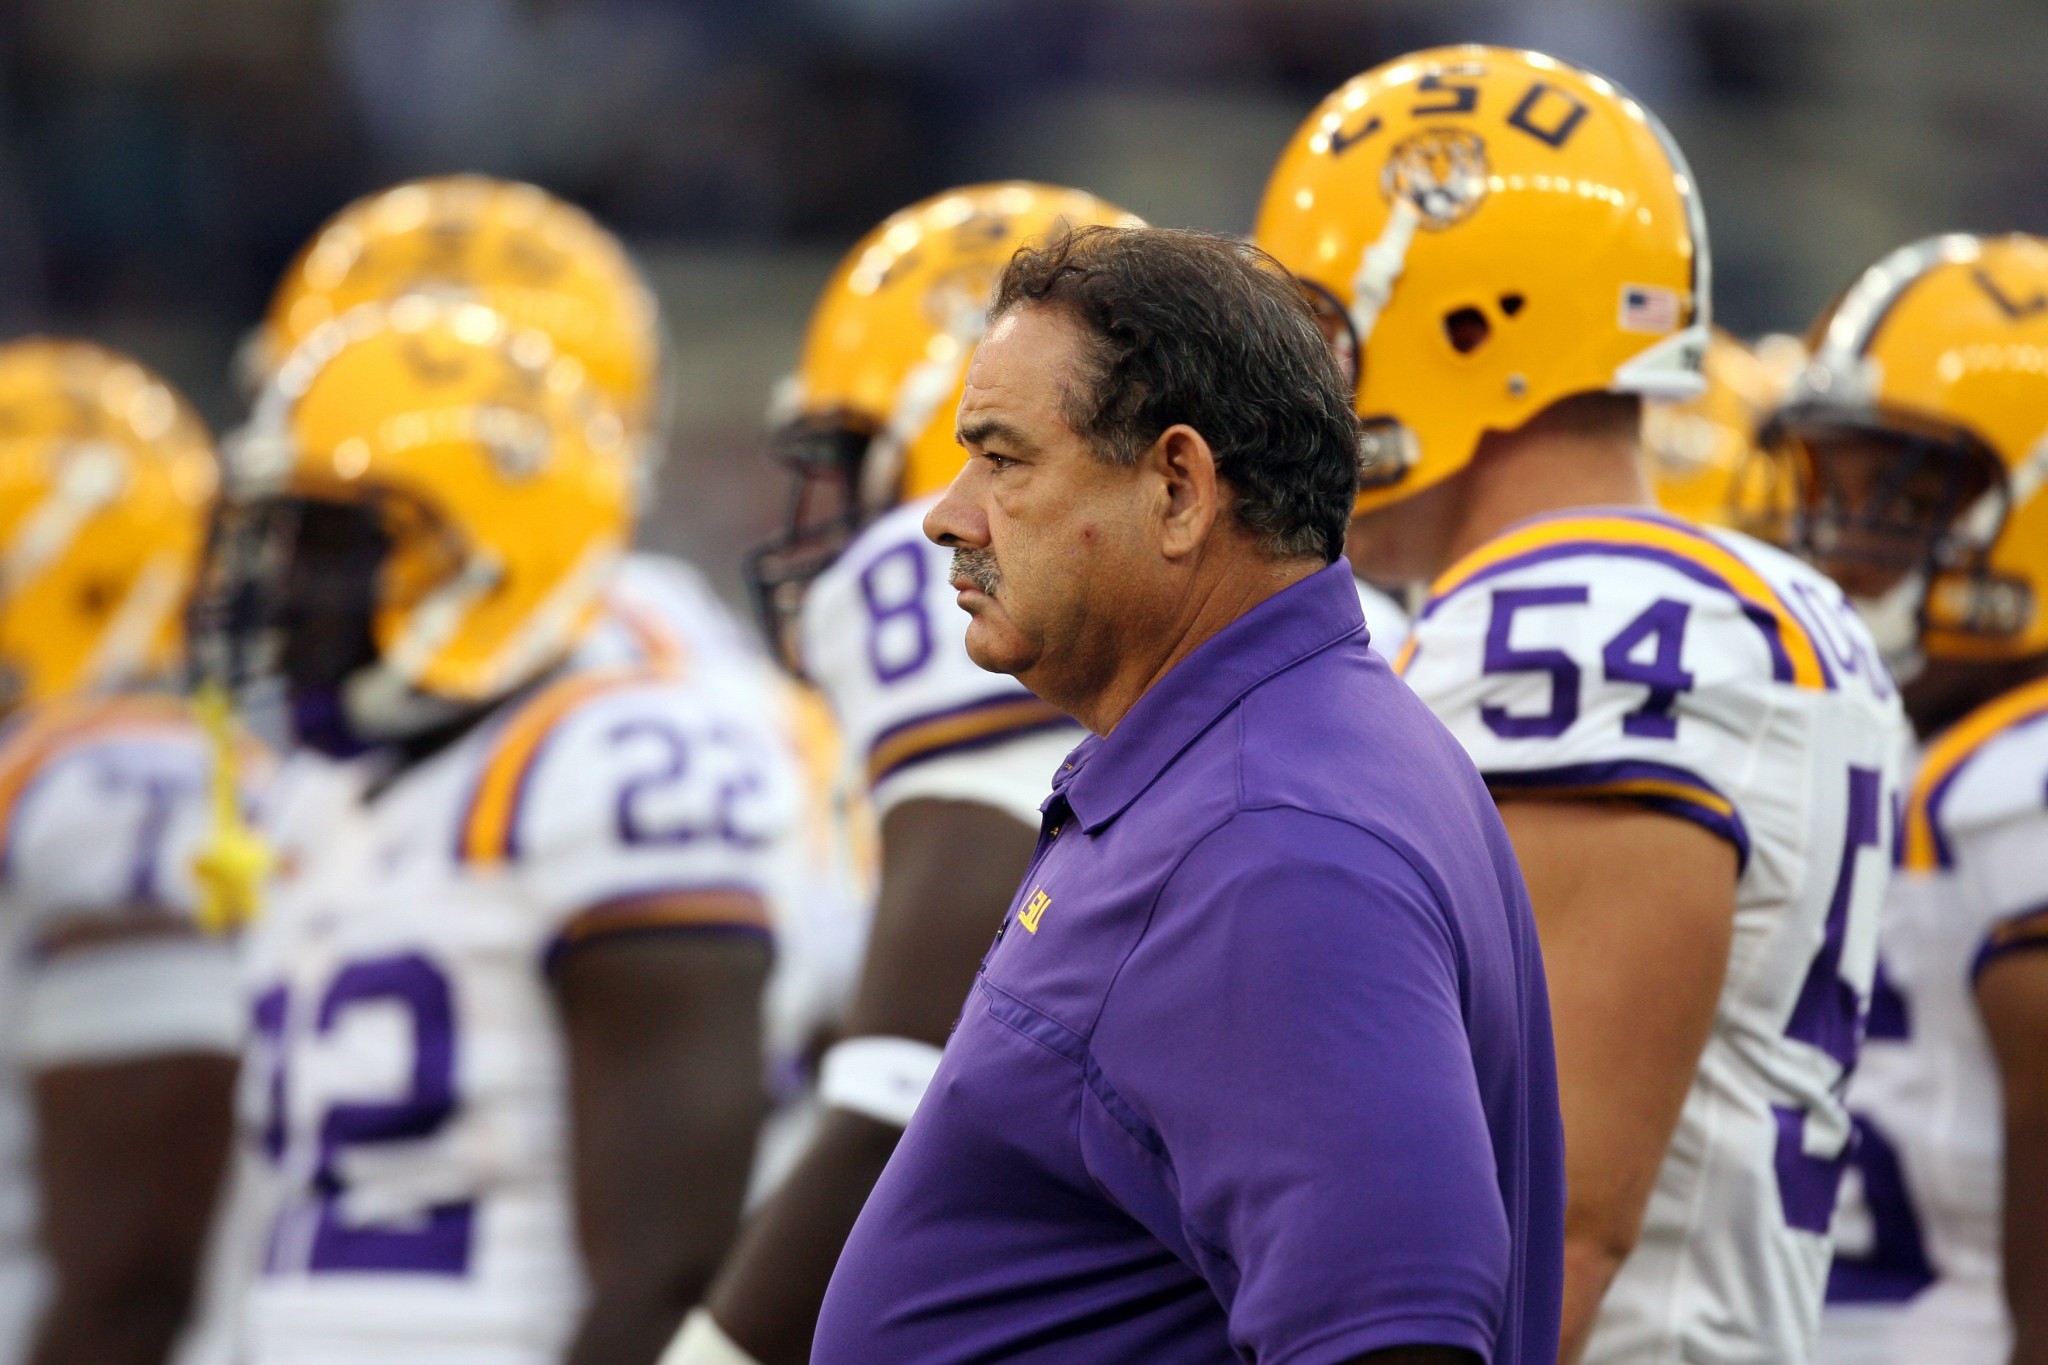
108,828
1592,675
102,835
1992,818
884,639
614,803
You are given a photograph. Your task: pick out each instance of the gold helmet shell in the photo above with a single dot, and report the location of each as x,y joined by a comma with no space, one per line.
889,339
1702,455
540,262
107,481
502,473
1491,231
1943,346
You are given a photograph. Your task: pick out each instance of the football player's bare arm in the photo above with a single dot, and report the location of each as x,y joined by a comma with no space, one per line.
129,1163
1636,911
2012,997
664,1048
949,869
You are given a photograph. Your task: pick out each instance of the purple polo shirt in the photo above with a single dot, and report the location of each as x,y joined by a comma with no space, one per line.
1259,1067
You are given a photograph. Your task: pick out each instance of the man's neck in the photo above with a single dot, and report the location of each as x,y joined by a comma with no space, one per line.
1523,474
1215,598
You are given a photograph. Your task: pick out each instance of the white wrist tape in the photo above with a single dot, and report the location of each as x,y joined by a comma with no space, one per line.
703,1342
883,1078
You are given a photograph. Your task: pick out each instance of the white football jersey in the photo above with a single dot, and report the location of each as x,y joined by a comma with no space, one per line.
1917,1263
1625,654
885,640
1385,621
406,1087
103,806
660,610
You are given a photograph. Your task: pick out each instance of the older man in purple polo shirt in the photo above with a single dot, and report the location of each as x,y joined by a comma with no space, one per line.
1259,1067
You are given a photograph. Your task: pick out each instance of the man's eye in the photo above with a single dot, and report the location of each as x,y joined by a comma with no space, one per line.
997,461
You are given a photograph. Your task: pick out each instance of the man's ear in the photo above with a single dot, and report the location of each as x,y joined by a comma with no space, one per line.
1191,494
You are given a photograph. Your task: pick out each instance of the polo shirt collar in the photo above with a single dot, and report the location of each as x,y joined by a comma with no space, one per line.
1108,772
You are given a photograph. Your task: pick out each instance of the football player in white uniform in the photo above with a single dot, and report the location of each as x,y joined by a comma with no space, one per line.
1693,742
1701,453
507,990
118,1022
1919,438
952,757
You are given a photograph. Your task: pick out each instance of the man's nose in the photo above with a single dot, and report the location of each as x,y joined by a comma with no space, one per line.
957,521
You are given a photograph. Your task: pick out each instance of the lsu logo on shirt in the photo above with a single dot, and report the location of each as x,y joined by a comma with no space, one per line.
1034,910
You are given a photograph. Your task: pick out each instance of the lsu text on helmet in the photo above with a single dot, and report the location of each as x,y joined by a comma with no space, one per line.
107,481
1485,232
540,262
501,475
1702,457
1936,361
866,421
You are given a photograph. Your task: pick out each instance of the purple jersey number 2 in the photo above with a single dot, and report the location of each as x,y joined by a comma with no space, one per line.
437,1241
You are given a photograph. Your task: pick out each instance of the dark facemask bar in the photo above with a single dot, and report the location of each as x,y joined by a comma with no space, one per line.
1898,532
1383,445
824,515
1892,530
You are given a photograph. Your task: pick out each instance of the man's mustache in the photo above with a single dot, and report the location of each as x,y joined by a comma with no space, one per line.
978,567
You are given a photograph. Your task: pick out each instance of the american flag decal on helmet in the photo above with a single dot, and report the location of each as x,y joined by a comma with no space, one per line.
1649,308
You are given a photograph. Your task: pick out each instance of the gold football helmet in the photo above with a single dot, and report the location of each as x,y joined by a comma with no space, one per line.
1484,232
866,421
1703,460
541,263
1932,369
500,473
107,480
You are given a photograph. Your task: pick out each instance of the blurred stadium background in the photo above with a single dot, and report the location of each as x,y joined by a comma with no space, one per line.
160,160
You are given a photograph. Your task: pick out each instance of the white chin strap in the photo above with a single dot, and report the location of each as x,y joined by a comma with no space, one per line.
1894,621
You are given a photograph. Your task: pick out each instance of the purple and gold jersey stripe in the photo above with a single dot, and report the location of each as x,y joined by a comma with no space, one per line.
1926,847
977,723
1660,786
51,731
722,909
488,833
2026,932
1659,539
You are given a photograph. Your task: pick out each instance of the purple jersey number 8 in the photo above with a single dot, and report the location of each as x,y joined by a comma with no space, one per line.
438,1241
899,633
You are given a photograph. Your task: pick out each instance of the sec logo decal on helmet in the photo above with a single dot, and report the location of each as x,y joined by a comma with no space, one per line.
1485,232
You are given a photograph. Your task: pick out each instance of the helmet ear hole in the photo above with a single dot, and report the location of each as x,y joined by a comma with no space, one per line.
1467,329
1510,304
